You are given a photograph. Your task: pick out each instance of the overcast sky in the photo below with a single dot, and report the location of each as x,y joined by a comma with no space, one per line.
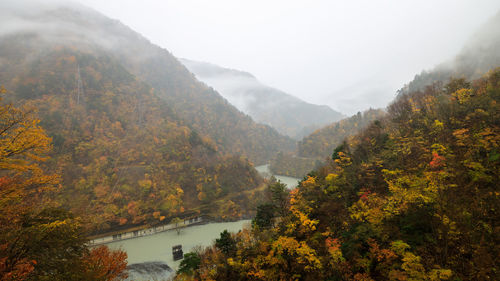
347,54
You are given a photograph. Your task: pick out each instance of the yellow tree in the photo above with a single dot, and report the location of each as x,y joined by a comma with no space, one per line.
37,241
23,144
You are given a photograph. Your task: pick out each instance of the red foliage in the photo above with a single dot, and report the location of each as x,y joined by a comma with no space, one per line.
106,265
437,160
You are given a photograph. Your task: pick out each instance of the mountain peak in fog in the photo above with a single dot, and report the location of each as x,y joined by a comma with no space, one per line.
286,113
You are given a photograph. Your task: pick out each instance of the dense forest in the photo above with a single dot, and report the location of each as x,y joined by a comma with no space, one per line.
323,141
313,149
136,139
413,196
102,131
38,239
124,156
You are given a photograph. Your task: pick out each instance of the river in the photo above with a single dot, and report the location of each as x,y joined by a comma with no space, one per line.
266,172
149,255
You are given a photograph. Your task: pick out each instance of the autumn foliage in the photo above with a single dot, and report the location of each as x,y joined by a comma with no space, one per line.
124,156
38,240
313,149
106,265
22,145
414,196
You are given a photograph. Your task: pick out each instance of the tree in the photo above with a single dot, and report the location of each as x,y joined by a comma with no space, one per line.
279,197
177,221
39,241
101,264
23,144
189,264
226,243
264,217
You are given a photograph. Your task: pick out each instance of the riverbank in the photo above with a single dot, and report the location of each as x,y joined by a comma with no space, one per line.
265,172
135,233
145,230
158,247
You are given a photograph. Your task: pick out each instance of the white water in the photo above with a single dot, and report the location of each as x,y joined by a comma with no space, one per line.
266,172
158,247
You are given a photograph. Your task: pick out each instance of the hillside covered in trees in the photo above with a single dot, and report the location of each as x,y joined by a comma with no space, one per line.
137,139
102,131
414,196
323,141
312,149
38,239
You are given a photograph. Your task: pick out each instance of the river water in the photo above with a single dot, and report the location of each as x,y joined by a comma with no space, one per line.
266,172
149,255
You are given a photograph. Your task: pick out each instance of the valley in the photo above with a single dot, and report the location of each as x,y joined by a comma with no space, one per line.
114,149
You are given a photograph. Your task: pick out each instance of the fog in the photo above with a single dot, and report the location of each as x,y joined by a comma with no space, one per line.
347,54
350,55
264,104
47,21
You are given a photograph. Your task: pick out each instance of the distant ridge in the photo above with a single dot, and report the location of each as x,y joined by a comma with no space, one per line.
286,113
137,139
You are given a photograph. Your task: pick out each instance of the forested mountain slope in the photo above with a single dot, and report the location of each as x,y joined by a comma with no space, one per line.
313,149
323,141
202,107
414,196
136,137
199,106
287,114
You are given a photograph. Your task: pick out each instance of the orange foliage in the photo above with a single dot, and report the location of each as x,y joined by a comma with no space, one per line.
106,265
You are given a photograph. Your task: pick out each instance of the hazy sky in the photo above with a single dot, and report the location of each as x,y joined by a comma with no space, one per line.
348,54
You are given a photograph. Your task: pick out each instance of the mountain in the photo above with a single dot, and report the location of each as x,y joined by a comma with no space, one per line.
479,55
313,149
137,139
286,113
200,106
323,141
411,197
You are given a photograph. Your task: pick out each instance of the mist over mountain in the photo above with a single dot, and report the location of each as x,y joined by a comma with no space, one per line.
137,139
200,106
286,113
480,54
406,193
113,152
